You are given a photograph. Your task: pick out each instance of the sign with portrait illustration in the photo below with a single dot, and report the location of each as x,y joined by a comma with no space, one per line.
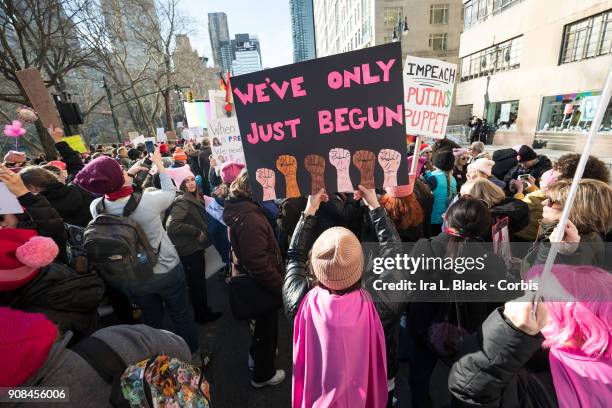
333,122
223,131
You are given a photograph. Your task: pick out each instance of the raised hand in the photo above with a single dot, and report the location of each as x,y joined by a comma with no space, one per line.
287,165
389,160
315,165
341,160
267,179
365,160
314,201
55,133
368,195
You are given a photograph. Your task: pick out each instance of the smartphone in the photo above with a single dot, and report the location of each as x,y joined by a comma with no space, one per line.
524,177
150,146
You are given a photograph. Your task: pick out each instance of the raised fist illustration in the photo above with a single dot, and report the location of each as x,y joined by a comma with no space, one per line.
341,160
267,179
315,165
365,161
389,160
287,165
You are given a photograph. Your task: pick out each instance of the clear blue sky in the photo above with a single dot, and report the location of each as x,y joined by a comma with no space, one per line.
269,19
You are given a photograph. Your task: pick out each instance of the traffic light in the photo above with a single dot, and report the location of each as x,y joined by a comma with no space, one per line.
189,95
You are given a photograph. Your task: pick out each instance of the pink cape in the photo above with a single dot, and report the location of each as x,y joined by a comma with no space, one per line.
580,380
339,357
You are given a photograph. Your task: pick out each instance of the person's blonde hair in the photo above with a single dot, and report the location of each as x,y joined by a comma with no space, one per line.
592,209
241,188
484,190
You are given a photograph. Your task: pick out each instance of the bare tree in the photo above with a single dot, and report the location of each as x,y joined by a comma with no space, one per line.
41,34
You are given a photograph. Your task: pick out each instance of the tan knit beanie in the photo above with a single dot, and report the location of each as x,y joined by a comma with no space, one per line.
337,258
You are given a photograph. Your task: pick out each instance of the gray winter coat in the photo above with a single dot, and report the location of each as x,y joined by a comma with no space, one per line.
64,368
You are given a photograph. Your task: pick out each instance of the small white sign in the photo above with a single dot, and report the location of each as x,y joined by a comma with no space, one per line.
428,92
161,135
8,202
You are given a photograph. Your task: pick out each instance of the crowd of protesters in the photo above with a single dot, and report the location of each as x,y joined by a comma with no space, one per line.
305,254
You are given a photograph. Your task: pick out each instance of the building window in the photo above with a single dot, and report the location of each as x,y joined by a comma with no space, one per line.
500,57
438,14
587,38
437,42
503,114
392,15
479,10
573,113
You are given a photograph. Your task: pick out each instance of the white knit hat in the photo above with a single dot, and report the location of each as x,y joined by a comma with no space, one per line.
483,165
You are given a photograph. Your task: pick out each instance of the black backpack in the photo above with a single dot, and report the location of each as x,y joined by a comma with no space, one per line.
116,245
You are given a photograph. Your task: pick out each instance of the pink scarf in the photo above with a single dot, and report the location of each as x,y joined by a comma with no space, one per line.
580,380
339,357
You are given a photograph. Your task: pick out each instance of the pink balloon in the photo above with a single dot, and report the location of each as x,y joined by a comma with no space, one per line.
22,131
16,124
14,131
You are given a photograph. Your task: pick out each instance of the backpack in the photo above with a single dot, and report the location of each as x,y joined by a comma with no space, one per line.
116,245
159,381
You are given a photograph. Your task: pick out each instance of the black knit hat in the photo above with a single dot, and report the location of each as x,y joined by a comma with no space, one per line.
526,153
444,160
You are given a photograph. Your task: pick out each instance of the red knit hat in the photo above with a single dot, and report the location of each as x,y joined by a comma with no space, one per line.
22,254
163,148
59,164
25,342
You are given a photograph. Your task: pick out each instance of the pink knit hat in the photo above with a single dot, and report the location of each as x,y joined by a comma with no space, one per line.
13,156
459,152
483,165
230,170
402,191
337,258
422,161
179,174
25,343
22,254
59,164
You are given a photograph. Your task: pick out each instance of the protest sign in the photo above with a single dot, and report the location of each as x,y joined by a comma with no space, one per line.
138,140
171,135
38,94
223,131
428,92
8,202
161,135
333,122
76,143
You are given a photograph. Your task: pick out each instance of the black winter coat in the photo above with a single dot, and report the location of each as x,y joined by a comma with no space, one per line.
505,159
543,165
46,221
185,223
297,282
253,243
70,201
498,368
67,298
72,158
517,212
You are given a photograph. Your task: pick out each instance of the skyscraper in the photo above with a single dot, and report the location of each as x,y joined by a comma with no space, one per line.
247,54
219,39
302,30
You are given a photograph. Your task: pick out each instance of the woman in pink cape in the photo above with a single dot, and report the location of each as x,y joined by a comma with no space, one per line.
339,357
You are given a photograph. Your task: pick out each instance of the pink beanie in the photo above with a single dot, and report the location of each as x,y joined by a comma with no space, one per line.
548,177
100,176
13,156
483,165
179,174
25,342
459,152
422,161
402,191
230,170
337,258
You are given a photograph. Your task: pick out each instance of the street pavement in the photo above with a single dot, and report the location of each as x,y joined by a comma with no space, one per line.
230,378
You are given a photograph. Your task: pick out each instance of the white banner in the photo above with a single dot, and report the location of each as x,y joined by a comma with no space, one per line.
223,131
428,92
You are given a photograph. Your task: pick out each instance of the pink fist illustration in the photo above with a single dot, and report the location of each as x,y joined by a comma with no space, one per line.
341,160
267,179
389,160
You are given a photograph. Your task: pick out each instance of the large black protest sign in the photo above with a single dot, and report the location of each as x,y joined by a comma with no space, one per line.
332,123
